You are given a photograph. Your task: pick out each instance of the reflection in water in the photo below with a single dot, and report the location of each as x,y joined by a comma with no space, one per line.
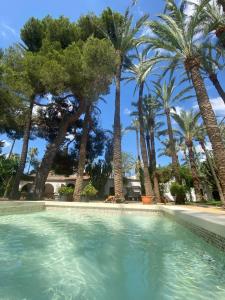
90,255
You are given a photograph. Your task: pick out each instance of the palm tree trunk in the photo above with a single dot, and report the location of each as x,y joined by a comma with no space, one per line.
153,155
137,144
117,155
14,194
175,163
149,152
217,85
209,119
28,171
209,160
152,143
12,147
50,153
82,157
147,180
196,179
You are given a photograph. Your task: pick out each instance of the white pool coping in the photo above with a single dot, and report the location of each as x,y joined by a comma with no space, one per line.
211,221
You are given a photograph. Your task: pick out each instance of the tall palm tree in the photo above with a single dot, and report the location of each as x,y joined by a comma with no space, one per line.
82,155
136,73
187,122
167,96
178,36
122,34
151,108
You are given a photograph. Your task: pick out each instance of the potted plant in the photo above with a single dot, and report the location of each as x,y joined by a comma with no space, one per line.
89,191
66,193
147,199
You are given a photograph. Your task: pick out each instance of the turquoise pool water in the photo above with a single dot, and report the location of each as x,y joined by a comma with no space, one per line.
91,255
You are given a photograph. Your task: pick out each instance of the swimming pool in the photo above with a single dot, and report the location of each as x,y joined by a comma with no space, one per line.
105,256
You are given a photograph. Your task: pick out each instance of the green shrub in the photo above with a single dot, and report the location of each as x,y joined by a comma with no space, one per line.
66,190
89,190
179,192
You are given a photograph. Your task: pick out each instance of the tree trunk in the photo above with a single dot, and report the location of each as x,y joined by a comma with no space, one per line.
14,194
51,150
217,85
28,171
82,157
153,155
209,160
12,147
156,187
194,172
149,152
147,180
175,163
213,131
137,144
117,155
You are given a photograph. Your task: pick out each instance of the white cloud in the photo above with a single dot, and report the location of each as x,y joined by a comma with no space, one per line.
7,144
147,31
190,8
178,109
127,111
6,30
218,106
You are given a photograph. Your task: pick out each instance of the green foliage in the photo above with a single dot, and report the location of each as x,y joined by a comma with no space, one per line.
164,174
99,173
65,190
89,190
178,191
61,30
8,167
186,176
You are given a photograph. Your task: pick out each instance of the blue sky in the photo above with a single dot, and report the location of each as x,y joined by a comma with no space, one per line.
15,13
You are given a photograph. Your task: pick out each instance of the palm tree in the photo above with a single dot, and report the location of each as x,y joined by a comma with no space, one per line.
82,155
136,71
167,97
151,108
122,34
214,19
178,36
135,126
200,137
187,122
32,153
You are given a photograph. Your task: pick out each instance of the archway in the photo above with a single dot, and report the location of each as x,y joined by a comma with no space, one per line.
49,191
